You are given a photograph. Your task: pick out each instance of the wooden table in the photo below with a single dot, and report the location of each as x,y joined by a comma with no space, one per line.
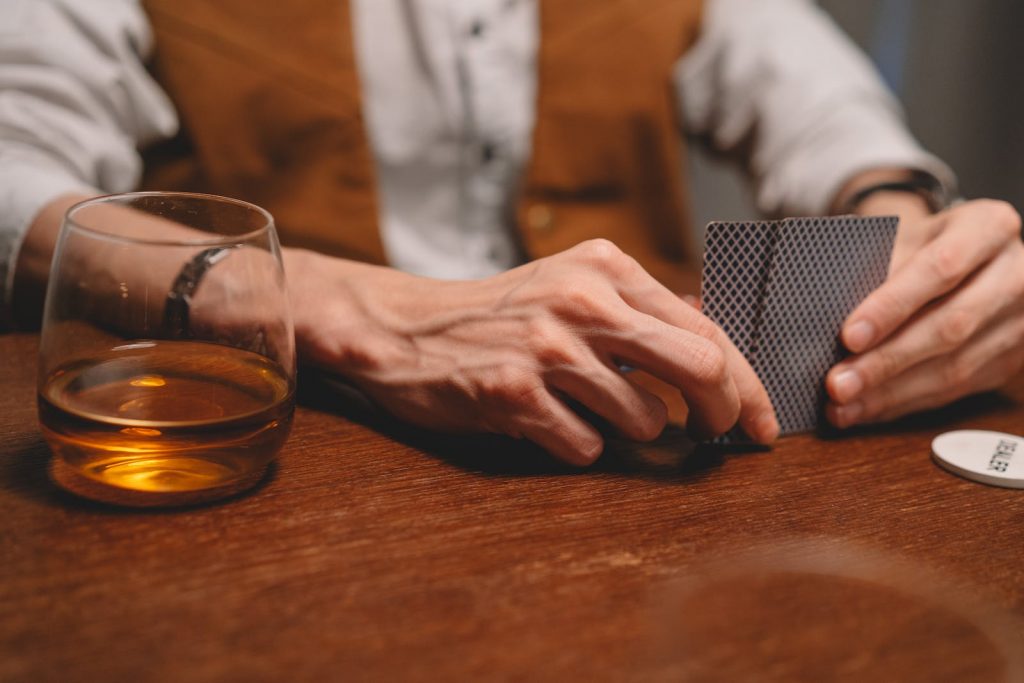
381,553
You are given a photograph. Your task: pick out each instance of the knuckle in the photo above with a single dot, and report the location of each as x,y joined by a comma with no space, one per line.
510,387
886,306
549,343
886,364
723,419
603,253
585,308
710,367
878,402
959,372
1004,216
947,264
956,328
703,326
578,300
650,426
649,431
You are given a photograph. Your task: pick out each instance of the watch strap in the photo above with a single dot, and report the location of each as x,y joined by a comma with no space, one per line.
177,307
924,185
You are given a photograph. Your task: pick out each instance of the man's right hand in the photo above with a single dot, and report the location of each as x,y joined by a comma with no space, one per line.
504,354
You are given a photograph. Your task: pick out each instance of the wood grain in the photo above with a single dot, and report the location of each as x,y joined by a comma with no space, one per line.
377,552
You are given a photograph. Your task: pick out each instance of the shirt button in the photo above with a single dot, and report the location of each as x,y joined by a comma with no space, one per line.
488,152
540,218
476,29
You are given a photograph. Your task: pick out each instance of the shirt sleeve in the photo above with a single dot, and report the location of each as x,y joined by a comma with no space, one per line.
777,82
76,102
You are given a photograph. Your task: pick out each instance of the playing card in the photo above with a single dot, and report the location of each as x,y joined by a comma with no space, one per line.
781,291
737,259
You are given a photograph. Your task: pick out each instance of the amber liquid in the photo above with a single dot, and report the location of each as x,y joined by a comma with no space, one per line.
167,416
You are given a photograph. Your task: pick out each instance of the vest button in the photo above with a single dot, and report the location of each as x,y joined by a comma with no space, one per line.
540,218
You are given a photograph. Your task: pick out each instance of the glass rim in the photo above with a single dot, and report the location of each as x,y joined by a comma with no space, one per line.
220,240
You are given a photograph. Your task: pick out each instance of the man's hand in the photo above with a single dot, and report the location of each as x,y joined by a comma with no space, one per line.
948,322
509,354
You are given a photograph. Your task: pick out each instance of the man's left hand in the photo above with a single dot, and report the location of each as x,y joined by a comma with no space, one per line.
948,321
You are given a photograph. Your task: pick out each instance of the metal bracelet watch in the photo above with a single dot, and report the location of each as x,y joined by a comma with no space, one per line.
179,298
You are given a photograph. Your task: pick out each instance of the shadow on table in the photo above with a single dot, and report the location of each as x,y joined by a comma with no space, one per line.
967,413
672,456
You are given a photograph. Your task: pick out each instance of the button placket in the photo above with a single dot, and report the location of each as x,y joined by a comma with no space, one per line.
490,62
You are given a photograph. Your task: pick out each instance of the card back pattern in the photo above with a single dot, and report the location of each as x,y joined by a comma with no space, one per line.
782,290
737,259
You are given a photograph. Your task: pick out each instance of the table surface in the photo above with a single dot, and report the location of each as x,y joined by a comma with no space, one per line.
376,551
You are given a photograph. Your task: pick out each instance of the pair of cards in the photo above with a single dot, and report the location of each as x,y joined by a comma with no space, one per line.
781,291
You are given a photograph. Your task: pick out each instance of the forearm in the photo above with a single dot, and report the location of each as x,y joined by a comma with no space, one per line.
778,84
136,278
32,267
77,103
309,275
350,316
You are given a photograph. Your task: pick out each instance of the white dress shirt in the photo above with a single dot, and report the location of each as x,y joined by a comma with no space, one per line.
448,96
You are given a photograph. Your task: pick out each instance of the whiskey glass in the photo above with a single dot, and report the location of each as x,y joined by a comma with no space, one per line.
167,352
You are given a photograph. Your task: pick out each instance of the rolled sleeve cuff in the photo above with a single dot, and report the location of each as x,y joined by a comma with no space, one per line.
26,189
808,183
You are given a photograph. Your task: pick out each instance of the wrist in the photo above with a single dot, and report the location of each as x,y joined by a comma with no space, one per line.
341,313
908,193
305,283
908,206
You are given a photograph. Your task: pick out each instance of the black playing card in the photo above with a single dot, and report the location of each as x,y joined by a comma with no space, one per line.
781,291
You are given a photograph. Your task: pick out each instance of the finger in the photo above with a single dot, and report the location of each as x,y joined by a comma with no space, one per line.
911,238
989,361
688,362
550,424
692,301
935,270
705,371
941,328
634,411
756,415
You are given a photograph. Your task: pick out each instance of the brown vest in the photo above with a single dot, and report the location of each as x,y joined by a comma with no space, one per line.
268,95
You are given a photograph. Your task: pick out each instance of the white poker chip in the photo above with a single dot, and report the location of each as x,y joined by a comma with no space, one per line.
989,457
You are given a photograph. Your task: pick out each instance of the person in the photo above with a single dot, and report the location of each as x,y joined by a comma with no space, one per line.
516,163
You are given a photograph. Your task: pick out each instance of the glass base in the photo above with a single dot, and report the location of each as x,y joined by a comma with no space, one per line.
156,482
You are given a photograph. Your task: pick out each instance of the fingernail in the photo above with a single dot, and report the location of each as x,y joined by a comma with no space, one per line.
847,415
859,335
847,385
767,428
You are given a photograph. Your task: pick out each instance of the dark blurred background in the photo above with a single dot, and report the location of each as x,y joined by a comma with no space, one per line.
958,68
